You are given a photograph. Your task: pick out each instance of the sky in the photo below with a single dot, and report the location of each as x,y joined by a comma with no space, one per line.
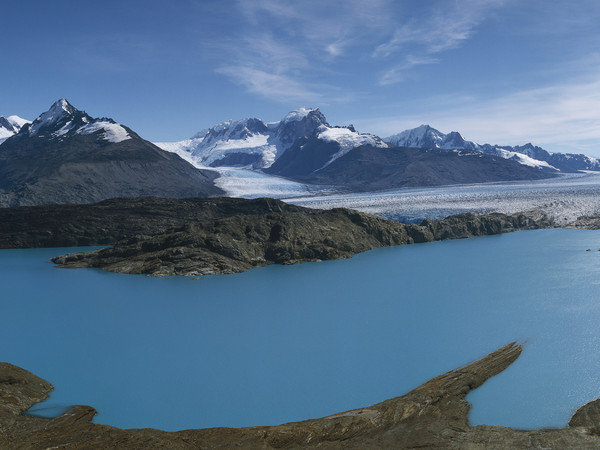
498,71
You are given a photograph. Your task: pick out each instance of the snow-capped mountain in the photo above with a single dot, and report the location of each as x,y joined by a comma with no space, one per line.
305,148
67,156
425,136
63,120
9,126
255,144
428,137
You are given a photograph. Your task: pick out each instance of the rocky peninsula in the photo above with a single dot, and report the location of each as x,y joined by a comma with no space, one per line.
434,415
219,236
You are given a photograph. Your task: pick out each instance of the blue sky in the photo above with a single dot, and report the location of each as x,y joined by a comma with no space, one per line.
498,71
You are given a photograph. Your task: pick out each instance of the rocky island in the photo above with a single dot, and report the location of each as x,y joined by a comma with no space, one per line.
194,237
434,415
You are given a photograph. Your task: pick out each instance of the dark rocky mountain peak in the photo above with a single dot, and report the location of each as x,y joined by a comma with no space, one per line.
301,123
60,119
454,138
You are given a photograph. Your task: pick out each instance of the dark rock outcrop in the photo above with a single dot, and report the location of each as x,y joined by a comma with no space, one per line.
470,225
113,220
291,235
434,415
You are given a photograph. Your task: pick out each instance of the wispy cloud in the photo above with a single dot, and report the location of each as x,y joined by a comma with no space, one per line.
448,26
276,87
295,43
398,73
303,43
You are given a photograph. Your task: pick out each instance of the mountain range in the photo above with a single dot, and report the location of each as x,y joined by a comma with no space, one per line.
528,154
66,156
316,152
254,144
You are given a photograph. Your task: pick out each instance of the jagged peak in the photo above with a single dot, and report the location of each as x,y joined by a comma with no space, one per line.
424,127
60,107
60,111
234,129
299,114
455,134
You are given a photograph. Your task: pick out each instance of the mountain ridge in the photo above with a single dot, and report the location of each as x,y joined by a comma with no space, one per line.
425,136
256,144
259,150
316,152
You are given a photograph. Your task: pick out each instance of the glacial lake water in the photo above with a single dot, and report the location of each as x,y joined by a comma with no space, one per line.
287,343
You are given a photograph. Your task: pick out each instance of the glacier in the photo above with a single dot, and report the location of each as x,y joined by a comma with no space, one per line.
564,198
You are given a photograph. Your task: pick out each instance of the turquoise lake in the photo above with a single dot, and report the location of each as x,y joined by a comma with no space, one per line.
287,343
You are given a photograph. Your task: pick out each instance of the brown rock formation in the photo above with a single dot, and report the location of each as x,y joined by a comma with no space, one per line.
433,415
242,242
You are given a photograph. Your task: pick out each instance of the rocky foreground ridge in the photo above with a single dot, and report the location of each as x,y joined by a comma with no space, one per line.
434,415
214,236
111,221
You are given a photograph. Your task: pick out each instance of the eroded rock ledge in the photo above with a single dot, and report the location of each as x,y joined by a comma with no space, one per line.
272,232
433,415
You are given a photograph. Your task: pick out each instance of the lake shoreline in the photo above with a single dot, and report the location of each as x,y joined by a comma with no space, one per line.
434,415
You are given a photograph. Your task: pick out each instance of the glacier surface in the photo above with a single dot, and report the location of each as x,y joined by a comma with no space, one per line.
565,198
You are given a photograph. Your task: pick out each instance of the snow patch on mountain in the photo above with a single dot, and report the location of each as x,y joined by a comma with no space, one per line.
64,129
524,159
347,139
5,134
17,122
112,132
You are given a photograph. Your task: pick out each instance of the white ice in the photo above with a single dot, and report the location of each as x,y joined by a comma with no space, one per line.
565,198
113,132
